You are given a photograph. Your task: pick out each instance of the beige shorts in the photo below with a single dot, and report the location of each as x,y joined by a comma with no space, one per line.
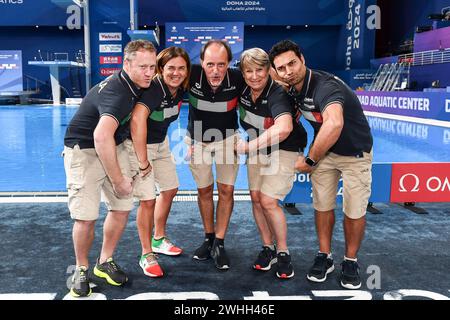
356,174
222,154
273,175
163,176
86,181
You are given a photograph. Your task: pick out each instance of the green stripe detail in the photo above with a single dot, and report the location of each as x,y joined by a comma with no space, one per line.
193,100
242,112
252,119
166,113
157,116
125,120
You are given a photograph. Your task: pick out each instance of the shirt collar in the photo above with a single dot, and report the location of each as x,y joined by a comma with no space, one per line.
165,88
125,78
226,83
264,94
293,92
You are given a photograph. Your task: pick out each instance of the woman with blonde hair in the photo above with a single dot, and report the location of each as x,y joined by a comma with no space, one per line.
275,140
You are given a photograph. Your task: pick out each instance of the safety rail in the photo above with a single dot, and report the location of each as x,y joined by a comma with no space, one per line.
426,57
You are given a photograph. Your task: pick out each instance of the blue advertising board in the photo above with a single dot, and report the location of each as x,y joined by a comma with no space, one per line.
259,12
11,71
426,105
191,36
109,20
357,41
381,186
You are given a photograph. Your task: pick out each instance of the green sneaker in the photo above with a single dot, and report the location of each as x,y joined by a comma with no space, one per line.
165,246
150,265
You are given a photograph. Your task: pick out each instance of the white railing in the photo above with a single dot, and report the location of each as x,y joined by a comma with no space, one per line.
426,57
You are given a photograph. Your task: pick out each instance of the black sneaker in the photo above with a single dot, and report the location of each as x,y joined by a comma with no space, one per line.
110,271
350,278
266,258
321,268
220,256
284,266
204,251
80,283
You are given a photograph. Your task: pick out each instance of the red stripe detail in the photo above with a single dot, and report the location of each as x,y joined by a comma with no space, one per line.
179,105
232,104
317,116
268,122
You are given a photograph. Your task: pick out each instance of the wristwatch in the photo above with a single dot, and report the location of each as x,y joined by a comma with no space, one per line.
310,162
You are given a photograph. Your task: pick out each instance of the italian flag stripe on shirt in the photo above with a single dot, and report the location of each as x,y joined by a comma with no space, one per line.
259,122
313,116
157,116
166,113
203,105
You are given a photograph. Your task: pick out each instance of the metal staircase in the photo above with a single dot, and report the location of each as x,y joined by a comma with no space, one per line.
389,75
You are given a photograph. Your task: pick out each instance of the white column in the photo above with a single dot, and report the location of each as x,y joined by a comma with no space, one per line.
56,88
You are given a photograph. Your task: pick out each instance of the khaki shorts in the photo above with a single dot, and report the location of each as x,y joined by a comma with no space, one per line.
222,154
273,175
163,175
356,175
86,182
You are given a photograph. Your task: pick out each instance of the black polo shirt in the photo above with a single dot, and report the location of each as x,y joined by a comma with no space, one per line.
320,89
163,108
215,110
256,117
114,97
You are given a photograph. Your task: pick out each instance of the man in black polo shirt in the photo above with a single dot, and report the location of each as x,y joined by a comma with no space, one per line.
342,148
96,162
212,124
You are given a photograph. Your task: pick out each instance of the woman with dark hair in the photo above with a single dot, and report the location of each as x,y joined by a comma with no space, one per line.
157,108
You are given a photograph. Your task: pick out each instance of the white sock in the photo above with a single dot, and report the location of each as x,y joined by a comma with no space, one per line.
271,247
285,251
351,259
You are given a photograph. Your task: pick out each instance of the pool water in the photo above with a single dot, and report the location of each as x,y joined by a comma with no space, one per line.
31,142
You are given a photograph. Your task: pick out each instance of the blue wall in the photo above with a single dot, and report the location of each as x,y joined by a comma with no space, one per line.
46,39
34,12
425,75
313,40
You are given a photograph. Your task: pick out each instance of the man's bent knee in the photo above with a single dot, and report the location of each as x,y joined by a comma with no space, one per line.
225,190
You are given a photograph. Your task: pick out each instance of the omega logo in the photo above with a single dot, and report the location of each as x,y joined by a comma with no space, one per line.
434,184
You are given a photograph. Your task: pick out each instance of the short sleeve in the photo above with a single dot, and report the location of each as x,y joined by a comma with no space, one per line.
279,103
111,102
327,93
